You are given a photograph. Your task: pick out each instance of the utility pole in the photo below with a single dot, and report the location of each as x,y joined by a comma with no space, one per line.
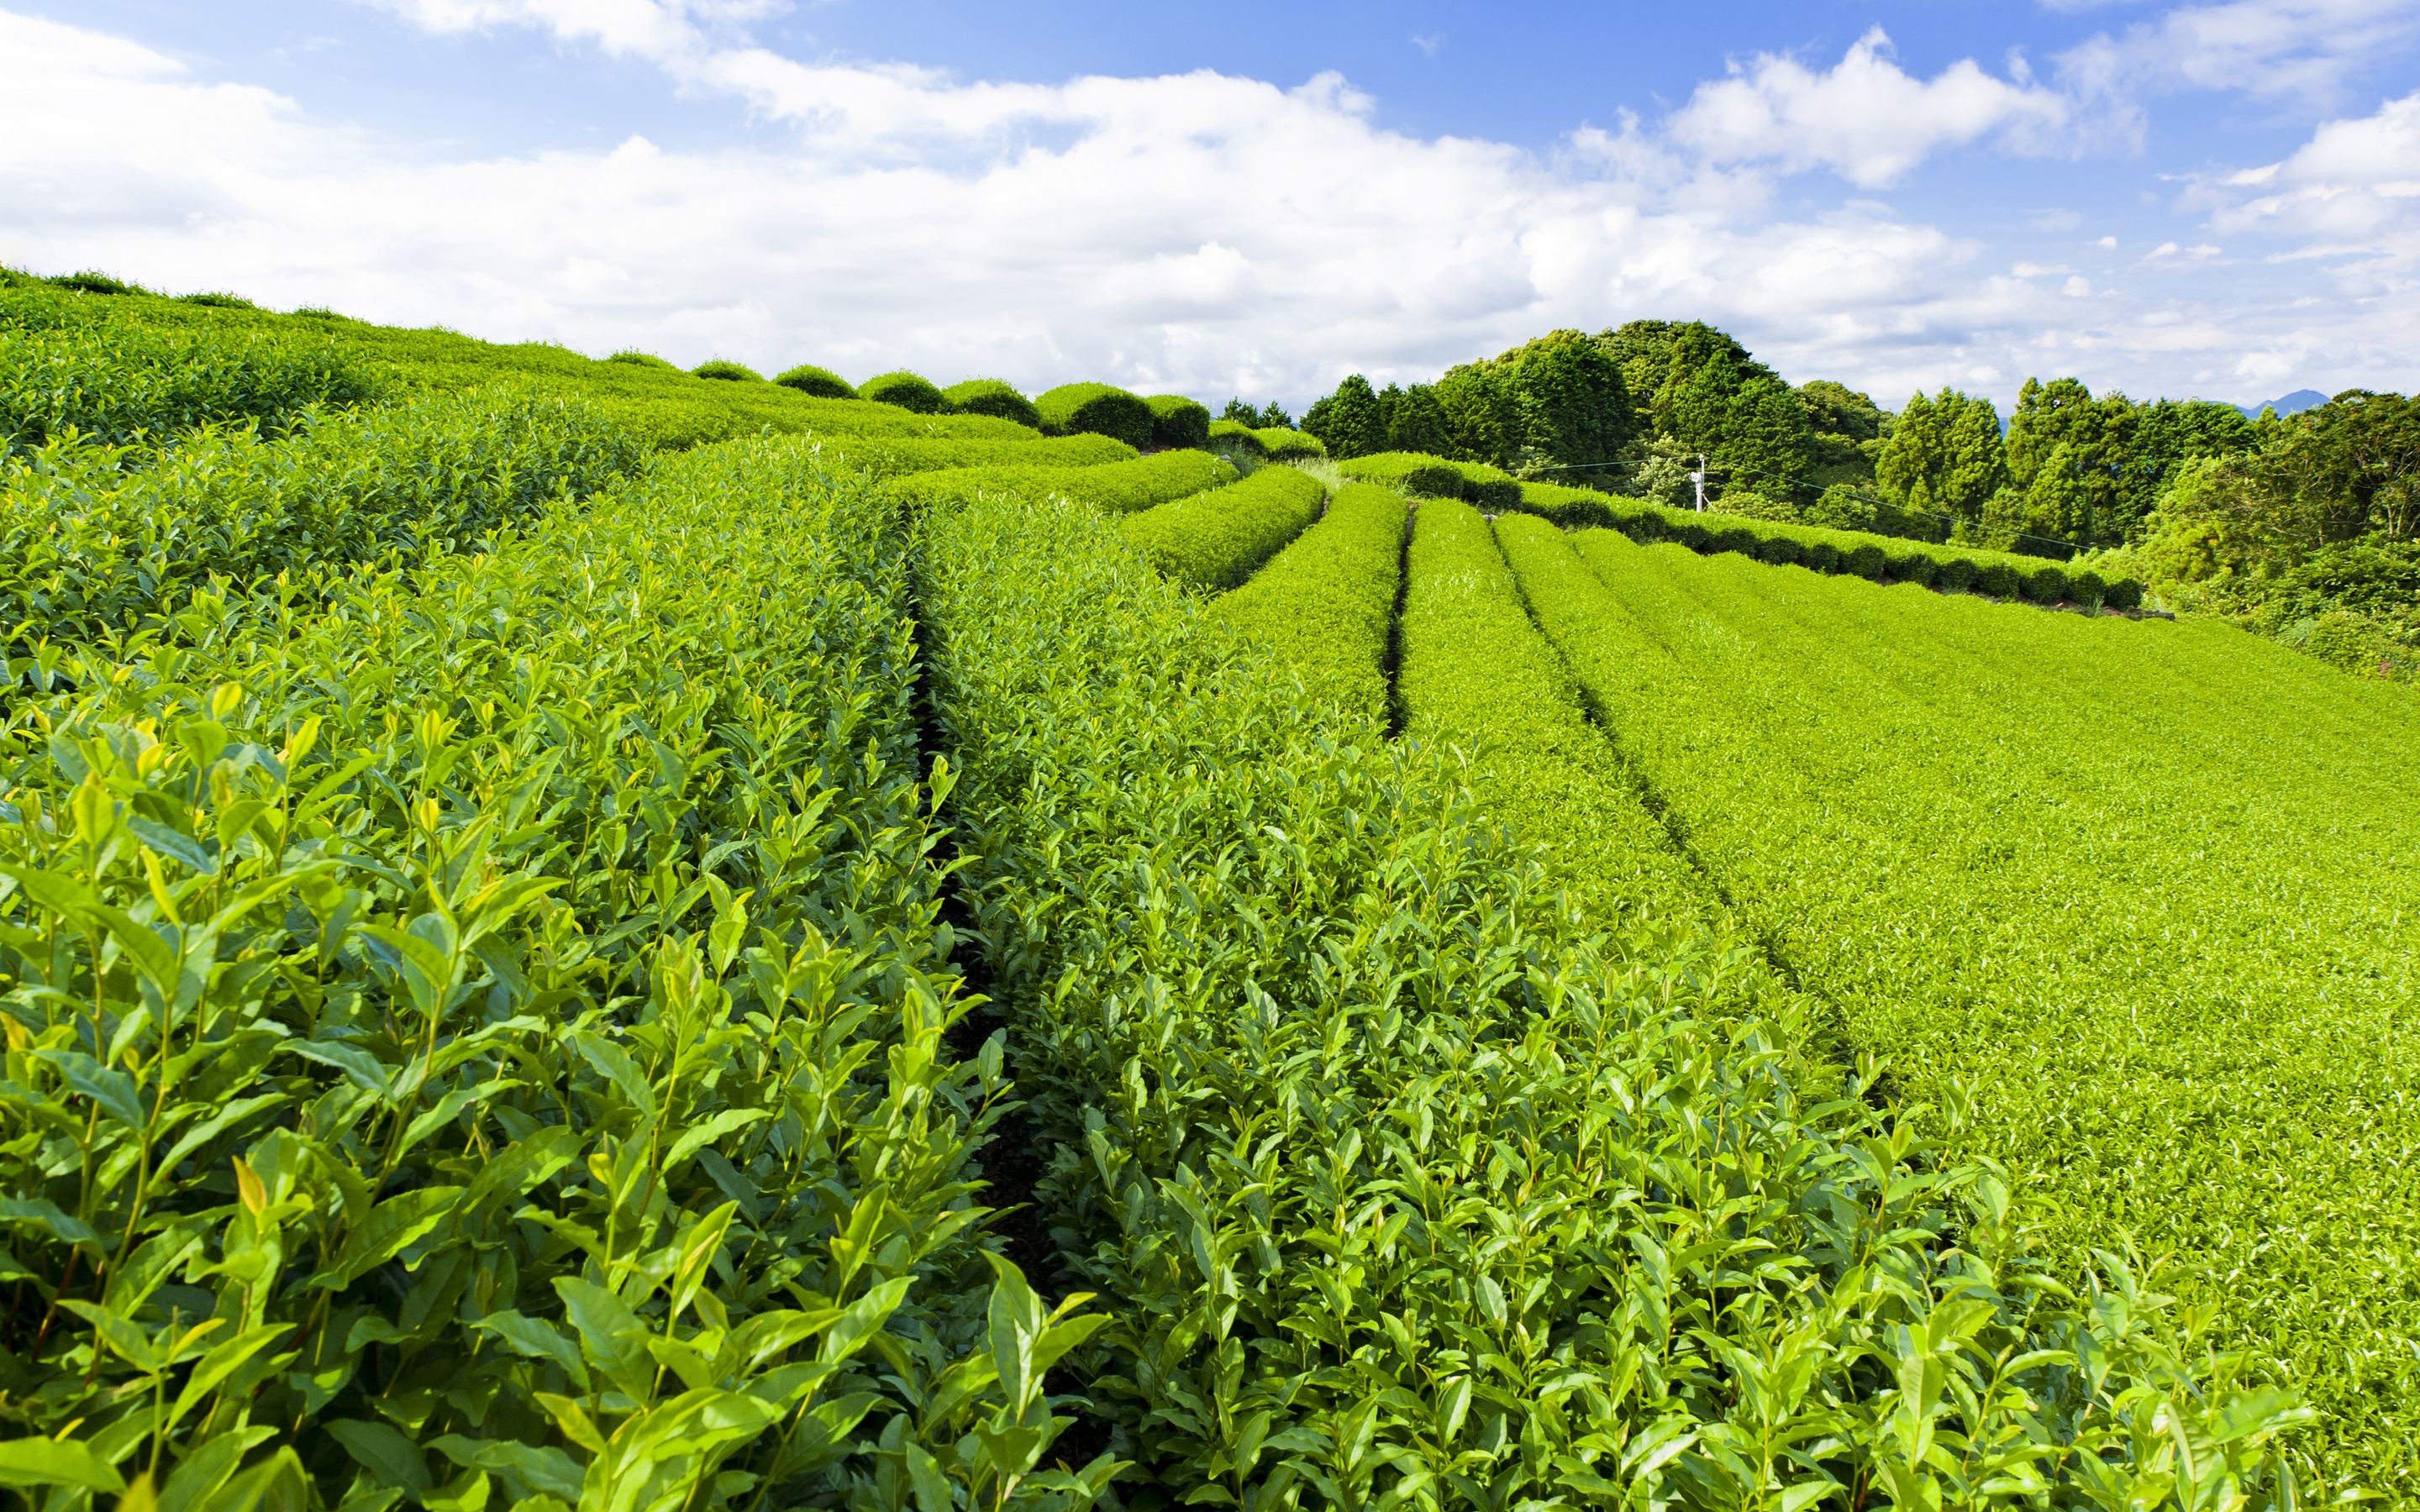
1699,478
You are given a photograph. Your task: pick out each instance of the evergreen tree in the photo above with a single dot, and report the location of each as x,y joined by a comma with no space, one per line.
1943,457
1349,423
1417,423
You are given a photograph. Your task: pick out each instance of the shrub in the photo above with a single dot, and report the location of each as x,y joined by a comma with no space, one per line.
1571,508
991,397
1866,561
119,383
1283,445
1913,567
1781,550
904,389
1997,578
1493,489
1177,421
821,382
93,281
1325,603
2085,588
1119,487
1414,473
1097,408
1823,556
1731,538
218,301
638,359
2044,585
1956,576
2125,593
727,372
1215,540
1235,435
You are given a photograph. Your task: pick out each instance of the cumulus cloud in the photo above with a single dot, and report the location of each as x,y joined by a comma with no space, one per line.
1865,119
1199,233
2265,48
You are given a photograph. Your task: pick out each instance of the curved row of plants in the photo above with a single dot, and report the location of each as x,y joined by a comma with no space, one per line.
1405,1187
481,1041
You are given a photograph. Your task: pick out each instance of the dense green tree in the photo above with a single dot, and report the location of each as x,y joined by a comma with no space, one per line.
1417,423
1847,430
1943,457
1765,442
1482,419
1272,414
1350,422
2166,435
1700,388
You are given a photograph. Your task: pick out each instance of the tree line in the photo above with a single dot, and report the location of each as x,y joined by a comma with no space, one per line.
2239,515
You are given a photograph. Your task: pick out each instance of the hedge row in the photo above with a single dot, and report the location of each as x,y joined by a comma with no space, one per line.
1881,557
1406,1188
118,384
1325,605
1436,477
1097,408
89,547
1476,673
992,396
887,456
1118,486
1215,540
1177,421
908,390
544,1099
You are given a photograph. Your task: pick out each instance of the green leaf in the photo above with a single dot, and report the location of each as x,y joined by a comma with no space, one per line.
114,1090
392,1226
30,1462
382,1451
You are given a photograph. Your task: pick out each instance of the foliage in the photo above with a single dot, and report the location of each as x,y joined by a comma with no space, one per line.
638,359
120,384
888,456
1348,423
462,1054
1271,416
1215,540
1943,459
91,547
1289,445
727,372
991,397
1229,438
2033,861
93,281
1847,432
816,382
1096,407
1177,421
1489,488
905,389
1118,486
1325,605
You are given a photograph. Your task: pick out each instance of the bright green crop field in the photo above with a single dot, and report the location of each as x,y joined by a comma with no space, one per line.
576,936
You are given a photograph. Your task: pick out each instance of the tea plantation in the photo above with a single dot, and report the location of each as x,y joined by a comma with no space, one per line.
578,935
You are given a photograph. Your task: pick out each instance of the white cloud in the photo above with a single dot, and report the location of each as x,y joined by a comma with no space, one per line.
1199,233
1865,119
2354,186
2265,48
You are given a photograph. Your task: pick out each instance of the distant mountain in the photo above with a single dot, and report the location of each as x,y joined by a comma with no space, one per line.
2300,399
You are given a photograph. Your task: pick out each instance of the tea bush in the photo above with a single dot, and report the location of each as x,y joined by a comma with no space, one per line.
1215,540
905,389
1177,421
728,372
1098,408
1325,604
991,397
1118,487
816,382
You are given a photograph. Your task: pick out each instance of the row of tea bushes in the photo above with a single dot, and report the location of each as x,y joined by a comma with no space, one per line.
1215,540
1325,605
482,1043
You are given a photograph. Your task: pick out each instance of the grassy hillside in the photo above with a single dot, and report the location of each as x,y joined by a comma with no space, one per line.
578,935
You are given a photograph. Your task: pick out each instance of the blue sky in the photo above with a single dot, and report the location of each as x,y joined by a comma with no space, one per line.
1259,198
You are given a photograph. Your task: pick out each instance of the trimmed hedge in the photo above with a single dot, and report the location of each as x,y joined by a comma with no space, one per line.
638,359
892,456
1325,604
1882,557
1097,408
905,390
1177,421
1492,488
1235,433
727,372
1121,486
820,382
1215,540
991,397
1283,445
